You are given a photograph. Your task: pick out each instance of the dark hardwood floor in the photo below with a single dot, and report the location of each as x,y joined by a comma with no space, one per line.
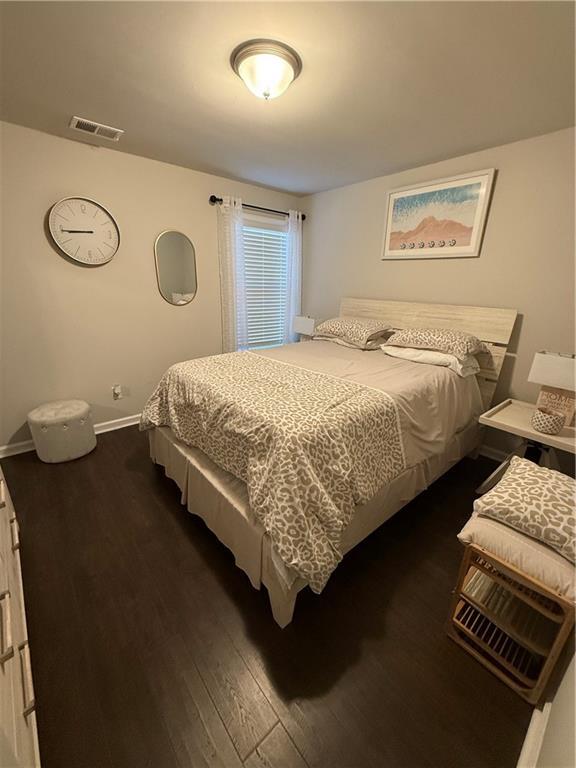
150,648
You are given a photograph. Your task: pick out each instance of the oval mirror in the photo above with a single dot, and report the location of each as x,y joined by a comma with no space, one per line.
175,267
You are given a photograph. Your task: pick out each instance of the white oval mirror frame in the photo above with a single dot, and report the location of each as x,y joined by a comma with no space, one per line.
175,259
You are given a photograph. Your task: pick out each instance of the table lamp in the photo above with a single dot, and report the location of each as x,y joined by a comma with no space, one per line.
556,402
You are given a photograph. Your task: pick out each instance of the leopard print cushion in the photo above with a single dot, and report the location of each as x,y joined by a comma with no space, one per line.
536,501
359,332
309,446
447,340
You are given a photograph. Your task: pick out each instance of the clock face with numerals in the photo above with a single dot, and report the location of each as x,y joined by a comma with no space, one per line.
84,230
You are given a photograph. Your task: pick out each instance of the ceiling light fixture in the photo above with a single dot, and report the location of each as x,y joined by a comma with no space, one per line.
267,67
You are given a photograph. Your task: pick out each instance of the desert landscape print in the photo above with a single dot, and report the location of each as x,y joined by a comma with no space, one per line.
441,218
431,233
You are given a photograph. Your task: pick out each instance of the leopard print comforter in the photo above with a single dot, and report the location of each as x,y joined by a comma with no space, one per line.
308,446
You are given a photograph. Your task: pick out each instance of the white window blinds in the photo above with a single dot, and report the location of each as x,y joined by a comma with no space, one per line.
266,281
260,276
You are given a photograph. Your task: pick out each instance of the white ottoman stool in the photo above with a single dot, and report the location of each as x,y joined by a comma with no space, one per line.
62,430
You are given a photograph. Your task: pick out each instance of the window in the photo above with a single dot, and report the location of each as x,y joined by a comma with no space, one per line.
266,281
260,276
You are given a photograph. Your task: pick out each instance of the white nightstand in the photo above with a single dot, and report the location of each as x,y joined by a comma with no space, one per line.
304,327
513,416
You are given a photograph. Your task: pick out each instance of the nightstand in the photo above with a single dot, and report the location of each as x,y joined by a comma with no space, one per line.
304,327
513,416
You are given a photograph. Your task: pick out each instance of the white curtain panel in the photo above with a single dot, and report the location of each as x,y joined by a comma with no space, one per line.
294,293
232,283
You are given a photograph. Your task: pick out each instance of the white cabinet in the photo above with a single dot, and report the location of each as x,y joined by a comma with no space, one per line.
18,735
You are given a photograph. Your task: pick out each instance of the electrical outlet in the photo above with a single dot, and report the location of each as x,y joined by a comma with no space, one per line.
117,391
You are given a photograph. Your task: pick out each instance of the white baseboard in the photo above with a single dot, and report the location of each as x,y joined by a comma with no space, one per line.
104,426
492,453
534,737
109,426
13,448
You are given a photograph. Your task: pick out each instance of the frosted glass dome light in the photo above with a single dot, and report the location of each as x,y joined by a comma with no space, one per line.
267,67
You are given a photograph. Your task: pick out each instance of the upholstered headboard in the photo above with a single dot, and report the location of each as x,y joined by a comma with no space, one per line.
493,325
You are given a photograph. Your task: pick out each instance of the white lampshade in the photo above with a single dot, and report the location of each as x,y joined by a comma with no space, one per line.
304,325
554,370
267,67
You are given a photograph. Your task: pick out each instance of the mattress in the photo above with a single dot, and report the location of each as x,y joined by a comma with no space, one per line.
315,430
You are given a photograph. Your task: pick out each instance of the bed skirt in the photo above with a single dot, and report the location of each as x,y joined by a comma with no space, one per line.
221,500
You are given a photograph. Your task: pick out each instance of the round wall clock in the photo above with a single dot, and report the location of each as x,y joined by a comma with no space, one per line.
84,230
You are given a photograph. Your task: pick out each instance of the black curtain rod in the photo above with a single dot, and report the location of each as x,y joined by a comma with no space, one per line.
213,200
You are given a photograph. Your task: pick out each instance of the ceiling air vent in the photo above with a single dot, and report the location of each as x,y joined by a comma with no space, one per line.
95,129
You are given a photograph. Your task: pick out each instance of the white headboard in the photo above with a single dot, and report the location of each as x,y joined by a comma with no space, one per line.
492,325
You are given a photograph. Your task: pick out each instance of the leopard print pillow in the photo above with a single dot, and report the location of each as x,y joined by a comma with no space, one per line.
359,332
447,340
536,501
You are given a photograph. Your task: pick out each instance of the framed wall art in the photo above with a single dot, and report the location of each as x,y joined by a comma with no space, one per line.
438,219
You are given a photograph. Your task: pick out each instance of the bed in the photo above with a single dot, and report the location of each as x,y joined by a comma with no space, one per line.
290,533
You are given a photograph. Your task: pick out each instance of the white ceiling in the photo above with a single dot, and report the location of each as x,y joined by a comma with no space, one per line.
385,85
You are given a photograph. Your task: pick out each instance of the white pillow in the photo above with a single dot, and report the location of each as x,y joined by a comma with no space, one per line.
529,556
371,344
467,367
182,298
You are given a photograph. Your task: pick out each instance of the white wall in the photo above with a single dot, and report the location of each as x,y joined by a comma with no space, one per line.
557,749
549,741
526,262
71,331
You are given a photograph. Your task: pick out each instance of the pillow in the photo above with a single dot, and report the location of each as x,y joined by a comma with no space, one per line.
182,298
536,501
371,345
467,367
528,555
456,343
358,332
